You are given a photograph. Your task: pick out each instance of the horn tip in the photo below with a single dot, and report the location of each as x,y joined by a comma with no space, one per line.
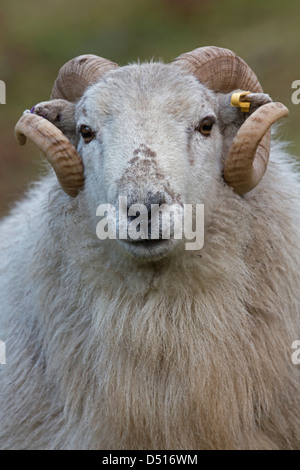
20,137
284,110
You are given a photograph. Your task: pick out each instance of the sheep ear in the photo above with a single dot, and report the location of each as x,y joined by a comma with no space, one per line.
61,113
230,115
231,118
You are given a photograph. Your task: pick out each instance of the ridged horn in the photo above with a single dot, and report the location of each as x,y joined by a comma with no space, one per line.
248,156
72,80
219,69
77,74
59,151
223,71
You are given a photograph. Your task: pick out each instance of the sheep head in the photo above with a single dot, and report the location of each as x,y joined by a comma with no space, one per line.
156,133
219,69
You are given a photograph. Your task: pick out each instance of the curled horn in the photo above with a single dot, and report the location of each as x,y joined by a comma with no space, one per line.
72,80
79,73
223,71
247,159
59,151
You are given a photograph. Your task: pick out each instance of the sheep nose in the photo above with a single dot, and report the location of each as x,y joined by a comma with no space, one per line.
157,199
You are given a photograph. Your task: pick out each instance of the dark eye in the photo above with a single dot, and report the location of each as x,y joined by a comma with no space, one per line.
205,126
87,133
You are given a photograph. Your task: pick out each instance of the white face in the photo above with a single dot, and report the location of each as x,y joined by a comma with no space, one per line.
153,137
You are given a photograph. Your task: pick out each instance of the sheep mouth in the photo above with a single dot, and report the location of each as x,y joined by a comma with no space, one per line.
148,249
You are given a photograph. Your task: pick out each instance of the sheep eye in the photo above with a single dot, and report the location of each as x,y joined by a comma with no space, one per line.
205,126
87,133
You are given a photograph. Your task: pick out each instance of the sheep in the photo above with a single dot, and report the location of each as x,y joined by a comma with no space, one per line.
115,344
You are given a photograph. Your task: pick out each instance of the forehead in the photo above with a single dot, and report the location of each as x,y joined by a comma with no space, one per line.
138,87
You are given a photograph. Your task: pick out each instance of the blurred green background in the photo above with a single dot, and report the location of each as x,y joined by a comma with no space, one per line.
37,38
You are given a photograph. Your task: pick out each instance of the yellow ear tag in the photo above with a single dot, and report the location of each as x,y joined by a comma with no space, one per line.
235,101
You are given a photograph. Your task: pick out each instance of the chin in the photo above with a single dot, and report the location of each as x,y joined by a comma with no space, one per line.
149,250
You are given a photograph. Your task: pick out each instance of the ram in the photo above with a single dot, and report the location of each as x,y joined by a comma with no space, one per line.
142,344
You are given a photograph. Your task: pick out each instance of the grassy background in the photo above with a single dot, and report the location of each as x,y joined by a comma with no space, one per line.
36,38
